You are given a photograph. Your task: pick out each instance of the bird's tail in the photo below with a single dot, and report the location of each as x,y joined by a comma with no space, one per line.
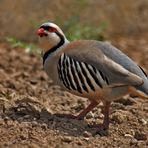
138,93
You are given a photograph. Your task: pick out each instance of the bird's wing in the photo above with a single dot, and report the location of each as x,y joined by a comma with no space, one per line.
91,54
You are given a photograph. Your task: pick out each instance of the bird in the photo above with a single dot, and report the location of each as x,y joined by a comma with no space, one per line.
95,70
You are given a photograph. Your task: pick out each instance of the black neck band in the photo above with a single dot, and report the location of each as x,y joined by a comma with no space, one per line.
47,53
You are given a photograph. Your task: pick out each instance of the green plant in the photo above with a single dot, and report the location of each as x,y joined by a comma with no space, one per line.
29,48
75,30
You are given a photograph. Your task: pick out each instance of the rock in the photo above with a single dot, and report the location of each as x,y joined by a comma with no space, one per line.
140,144
44,126
133,141
90,115
67,139
87,134
80,142
119,117
23,137
6,118
27,117
33,81
34,124
142,121
139,135
86,138
128,136
28,106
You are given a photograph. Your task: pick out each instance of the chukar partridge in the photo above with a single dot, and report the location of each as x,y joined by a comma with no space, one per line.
90,69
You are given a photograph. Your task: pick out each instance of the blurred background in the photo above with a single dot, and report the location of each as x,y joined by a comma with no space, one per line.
78,18
123,23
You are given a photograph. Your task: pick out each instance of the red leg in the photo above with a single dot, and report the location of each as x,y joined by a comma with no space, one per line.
92,105
105,125
81,116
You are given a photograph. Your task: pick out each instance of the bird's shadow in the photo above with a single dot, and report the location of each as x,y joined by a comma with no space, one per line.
57,122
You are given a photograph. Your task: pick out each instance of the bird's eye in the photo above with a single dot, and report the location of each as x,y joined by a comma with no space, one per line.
52,29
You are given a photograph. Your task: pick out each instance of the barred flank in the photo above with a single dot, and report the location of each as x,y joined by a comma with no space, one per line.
79,76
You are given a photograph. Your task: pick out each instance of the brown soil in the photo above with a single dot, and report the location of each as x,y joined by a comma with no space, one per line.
31,106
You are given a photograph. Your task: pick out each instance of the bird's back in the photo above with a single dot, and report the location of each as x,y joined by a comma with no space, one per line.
94,50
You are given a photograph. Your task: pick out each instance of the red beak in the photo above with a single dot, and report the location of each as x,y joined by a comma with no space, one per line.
41,32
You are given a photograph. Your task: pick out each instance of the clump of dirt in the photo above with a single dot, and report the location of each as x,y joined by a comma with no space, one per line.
32,107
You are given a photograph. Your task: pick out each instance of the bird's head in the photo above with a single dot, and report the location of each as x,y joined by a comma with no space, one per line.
50,36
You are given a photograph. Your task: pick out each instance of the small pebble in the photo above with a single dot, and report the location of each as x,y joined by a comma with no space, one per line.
21,119
67,139
142,121
6,118
139,135
44,126
87,134
22,137
33,81
90,115
26,116
101,116
25,124
34,123
133,141
118,117
86,138
79,143
128,136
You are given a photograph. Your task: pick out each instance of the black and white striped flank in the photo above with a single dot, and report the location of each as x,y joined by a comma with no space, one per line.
80,76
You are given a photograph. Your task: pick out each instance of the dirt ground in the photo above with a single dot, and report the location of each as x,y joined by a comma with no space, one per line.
32,107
